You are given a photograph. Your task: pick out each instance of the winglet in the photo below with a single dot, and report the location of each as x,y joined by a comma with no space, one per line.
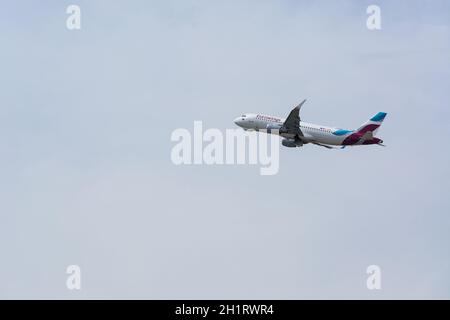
292,122
300,104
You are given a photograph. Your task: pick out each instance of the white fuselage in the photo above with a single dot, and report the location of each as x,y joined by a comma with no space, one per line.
311,132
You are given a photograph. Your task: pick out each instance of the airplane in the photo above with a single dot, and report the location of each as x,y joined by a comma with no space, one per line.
296,133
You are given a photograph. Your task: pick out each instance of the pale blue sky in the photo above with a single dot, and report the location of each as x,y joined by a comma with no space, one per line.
85,124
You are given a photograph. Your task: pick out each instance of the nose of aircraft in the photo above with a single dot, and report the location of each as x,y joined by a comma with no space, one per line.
238,121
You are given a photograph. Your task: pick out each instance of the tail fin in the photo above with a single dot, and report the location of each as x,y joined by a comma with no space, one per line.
372,124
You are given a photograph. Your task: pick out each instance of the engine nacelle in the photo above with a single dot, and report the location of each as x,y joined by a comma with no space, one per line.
291,143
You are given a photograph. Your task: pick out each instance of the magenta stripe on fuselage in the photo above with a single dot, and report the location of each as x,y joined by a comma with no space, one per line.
355,137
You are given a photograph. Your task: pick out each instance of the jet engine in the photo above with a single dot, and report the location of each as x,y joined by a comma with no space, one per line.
291,143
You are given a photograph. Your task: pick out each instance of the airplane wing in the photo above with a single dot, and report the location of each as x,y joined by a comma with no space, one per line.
292,122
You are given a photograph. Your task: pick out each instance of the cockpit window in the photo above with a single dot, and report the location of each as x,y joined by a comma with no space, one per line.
243,116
